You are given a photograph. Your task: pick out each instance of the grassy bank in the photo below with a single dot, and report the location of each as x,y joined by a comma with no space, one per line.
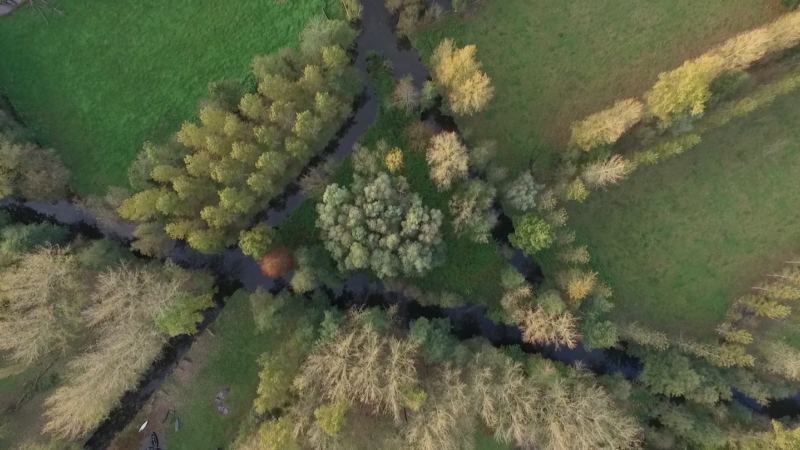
681,240
105,77
552,63
231,364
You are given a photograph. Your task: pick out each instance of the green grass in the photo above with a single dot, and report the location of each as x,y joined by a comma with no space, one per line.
98,82
471,269
681,240
554,62
232,364
484,442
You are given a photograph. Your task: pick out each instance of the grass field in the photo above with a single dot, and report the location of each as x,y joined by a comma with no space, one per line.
681,240
107,76
554,62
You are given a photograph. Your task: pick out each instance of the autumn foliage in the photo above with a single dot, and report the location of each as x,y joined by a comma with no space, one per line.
458,73
277,262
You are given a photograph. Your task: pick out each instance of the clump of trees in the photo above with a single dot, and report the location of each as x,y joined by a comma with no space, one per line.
27,170
92,304
676,101
380,225
364,384
459,78
207,185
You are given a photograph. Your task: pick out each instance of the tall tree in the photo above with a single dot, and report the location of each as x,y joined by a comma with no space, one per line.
448,160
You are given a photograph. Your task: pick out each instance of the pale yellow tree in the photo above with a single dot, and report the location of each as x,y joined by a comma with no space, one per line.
448,160
607,126
43,296
466,87
577,283
604,173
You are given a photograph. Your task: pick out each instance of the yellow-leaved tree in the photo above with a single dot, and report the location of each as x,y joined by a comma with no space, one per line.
686,88
607,126
458,73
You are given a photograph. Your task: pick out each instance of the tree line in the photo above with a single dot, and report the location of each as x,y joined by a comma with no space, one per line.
678,99
208,184
358,380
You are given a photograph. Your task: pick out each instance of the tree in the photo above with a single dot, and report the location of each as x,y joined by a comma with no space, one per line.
645,336
547,323
42,297
574,255
394,160
576,191
779,358
686,88
531,234
471,210
433,339
208,186
152,240
763,307
448,160
577,283
278,369
445,422
331,417
607,126
257,241
603,173
669,373
380,225
467,88
277,262
19,239
276,434
521,193
405,95
29,171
